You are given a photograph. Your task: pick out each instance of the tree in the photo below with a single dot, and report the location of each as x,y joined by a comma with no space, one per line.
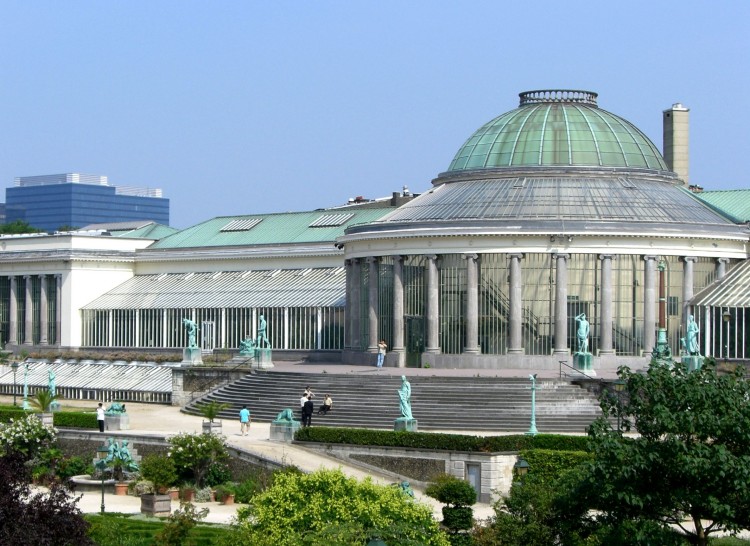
36,518
17,227
458,495
196,453
691,460
329,507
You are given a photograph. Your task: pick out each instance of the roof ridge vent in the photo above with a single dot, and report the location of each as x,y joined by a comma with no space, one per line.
558,95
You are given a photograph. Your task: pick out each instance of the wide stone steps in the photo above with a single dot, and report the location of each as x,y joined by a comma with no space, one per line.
438,403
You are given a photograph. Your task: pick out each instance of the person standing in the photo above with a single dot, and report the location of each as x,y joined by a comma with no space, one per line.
307,411
100,417
382,346
244,421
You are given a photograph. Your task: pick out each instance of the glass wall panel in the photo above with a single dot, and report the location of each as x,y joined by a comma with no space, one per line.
494,303
414,307
452,272
627,305
385,300
4,310
538,301
584,298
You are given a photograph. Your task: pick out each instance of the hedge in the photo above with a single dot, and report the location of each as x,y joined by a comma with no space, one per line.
548,464
452,442
72,419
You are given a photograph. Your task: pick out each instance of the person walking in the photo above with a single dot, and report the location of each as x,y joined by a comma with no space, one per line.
244,421
382,346
307,410
100,417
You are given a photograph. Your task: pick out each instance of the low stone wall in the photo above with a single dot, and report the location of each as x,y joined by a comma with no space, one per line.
493,471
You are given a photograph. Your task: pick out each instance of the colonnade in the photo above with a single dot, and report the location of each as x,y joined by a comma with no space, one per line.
30,317
515,309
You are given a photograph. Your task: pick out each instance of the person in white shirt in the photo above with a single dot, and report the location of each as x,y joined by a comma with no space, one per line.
100,417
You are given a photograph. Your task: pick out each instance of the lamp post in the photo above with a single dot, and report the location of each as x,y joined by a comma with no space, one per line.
101,464
14,367
619,387
532,427
727,316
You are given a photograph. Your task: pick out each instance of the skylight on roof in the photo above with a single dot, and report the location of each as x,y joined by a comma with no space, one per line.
241,225
331,220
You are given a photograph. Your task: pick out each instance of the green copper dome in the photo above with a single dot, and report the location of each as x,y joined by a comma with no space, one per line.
555,128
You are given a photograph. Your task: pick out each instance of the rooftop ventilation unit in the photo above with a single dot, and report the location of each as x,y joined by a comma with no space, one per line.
241,225
331,220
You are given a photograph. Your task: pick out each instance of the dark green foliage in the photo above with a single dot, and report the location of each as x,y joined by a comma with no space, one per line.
75,419
458,517
690,461
6,414
218,473
224,490
16,227
246,490
73,466
179,526
548,465
159,470
451,490
450,442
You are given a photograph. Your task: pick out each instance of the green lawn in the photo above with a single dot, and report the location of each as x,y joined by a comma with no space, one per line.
138,530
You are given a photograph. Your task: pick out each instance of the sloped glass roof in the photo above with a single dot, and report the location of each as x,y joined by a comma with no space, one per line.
558,128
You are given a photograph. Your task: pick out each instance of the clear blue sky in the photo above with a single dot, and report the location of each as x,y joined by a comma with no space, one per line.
244,107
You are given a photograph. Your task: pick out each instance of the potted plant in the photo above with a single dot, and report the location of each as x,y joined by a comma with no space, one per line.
225,493
211,411
159,470
187,492
42,400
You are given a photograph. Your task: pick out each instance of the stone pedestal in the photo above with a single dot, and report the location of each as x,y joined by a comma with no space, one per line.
191,356
283,431
584,363
241,360
693,362
119,421
47,418
263,359
212,428
402,423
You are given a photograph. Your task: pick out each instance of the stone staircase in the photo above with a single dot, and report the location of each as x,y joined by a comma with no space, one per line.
438,403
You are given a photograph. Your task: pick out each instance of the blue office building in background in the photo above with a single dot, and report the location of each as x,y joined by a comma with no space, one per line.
50,202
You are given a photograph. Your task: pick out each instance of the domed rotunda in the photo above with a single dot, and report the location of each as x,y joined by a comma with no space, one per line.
551,211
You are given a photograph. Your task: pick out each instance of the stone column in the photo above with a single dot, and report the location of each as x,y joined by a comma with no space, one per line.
372,300
355,307
721,268
687,289
605,335
348,306
58,309
515,315
13,311
472,304
649,304
43,311
432,306
28,338
561,304
398,311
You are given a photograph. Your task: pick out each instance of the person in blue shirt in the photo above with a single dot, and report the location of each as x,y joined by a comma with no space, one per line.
244,421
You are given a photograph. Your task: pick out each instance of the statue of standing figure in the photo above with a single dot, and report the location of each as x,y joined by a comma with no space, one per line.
191,330
262,337
583,333
51,382
404,395
693,347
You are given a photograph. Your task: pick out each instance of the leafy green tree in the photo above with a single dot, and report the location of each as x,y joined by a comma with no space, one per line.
17,227
329,507
196,453
458,495
691,461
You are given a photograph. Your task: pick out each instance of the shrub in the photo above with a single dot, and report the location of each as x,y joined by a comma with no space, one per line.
246,490
75,419
160,470
42,400
212,409
195,453
451,442
548,465
203,494
218,473
458,495
6,414
224,490
27,436
73,466
179,525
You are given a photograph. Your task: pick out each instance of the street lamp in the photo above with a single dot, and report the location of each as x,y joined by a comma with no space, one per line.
101,464
727,316
14,367
532,427
619,387
520,469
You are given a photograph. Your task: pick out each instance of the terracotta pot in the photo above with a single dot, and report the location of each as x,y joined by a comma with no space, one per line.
228,499
174,493
121,489
187,494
